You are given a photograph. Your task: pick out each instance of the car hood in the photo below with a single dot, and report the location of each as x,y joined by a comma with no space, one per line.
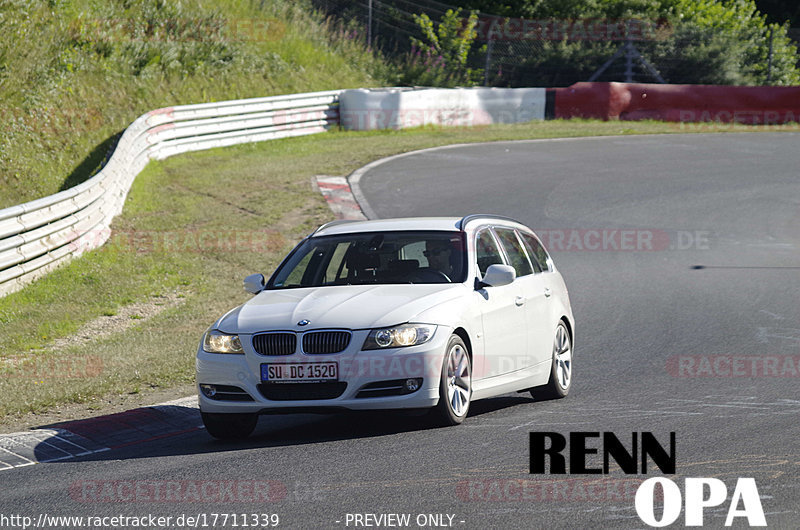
345,306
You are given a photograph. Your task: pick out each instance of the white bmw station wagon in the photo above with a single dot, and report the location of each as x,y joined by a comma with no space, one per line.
414,313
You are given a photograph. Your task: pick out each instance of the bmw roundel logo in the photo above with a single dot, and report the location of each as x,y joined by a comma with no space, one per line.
303,322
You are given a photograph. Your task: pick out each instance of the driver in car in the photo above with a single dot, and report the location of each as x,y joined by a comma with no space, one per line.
438,252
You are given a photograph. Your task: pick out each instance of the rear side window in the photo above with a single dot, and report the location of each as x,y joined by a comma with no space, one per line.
514,251
487,251
536,251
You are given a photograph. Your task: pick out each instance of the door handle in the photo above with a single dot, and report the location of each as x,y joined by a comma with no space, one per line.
547,292
519,301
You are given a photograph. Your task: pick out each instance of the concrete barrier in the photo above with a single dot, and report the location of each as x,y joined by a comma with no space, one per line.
677,103
399,108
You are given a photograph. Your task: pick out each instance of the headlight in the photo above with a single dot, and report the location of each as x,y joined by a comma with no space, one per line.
218,342
398,336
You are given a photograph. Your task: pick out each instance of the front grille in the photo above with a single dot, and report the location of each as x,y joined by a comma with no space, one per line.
275,343
318,342
301,391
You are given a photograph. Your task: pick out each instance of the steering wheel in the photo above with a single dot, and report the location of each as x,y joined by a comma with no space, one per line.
429,274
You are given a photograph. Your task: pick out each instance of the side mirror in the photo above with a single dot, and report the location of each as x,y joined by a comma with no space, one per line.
498,275
254,283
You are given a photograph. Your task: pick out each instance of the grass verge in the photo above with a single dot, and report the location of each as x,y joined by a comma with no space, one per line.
196,224
74,73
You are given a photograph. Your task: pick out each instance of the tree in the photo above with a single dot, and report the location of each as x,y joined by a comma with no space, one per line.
440,56
699,41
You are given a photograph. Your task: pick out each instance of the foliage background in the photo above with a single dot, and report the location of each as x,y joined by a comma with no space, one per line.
698,41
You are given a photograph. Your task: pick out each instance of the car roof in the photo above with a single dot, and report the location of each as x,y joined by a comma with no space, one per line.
385,225
447,224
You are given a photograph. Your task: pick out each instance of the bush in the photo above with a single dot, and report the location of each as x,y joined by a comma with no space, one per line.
440,57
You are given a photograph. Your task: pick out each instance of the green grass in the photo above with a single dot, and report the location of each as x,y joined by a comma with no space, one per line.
75,73
178,232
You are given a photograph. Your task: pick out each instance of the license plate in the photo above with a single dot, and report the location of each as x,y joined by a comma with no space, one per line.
294,372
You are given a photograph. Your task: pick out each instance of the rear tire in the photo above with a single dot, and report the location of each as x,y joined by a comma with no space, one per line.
455,387
560,370
229,426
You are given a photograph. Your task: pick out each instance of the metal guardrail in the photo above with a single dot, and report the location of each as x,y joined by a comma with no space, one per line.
40,235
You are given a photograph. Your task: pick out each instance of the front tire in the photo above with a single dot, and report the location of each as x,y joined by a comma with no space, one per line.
455,387
229,426
560,370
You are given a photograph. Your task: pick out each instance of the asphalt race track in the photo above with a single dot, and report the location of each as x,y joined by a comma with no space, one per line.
682,256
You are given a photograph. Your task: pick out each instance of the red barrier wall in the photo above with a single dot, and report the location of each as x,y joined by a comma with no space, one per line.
682,103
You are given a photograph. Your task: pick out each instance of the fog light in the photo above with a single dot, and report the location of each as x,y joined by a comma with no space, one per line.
209,391
413,384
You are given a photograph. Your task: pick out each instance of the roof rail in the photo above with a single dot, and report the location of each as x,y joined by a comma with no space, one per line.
467,218
332,223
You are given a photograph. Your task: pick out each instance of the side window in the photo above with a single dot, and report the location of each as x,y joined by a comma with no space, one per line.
536,251
514,251
486,251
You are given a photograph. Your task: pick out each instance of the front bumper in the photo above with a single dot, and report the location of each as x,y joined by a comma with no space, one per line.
357,369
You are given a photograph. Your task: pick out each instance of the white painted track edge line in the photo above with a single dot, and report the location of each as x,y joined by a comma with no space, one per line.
18,456
72,443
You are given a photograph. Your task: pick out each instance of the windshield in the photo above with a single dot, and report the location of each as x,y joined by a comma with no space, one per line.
374,258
